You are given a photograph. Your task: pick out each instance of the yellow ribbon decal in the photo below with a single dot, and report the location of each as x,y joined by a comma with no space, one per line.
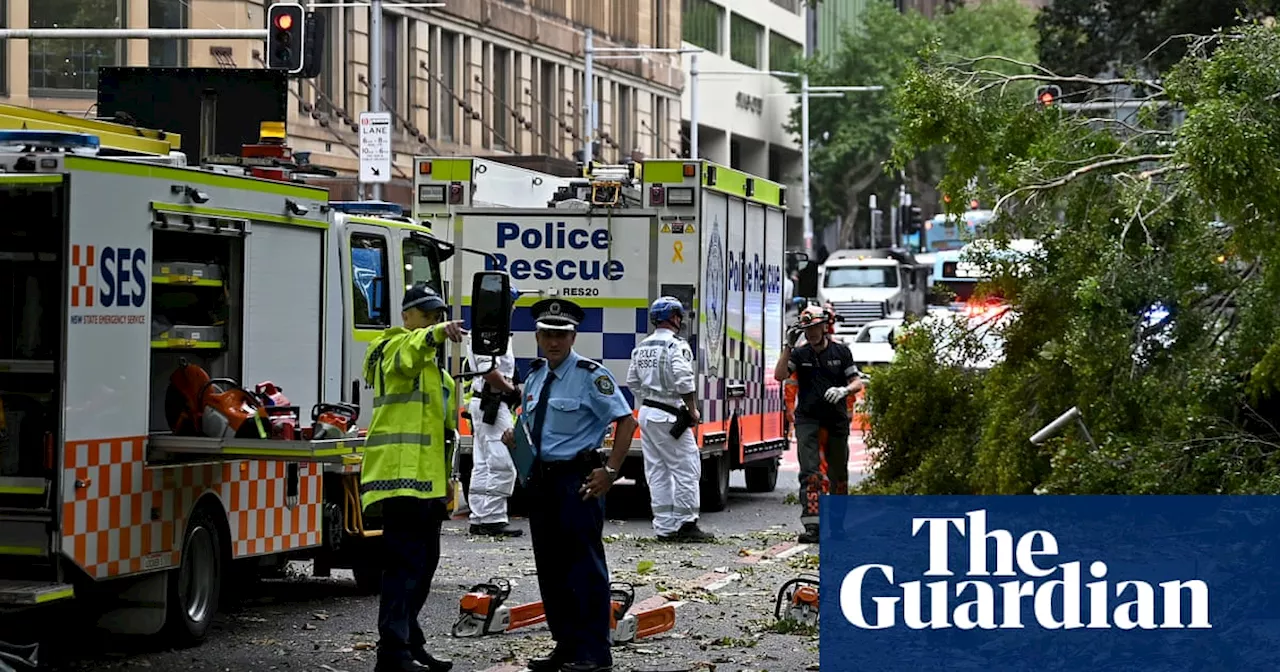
678,246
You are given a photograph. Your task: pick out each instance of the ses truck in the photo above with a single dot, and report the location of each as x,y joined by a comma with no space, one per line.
180,364
613,242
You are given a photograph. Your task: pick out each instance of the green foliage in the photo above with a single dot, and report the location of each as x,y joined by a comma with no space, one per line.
1129,216
853,135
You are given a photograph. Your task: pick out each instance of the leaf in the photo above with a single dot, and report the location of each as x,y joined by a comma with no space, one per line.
644,567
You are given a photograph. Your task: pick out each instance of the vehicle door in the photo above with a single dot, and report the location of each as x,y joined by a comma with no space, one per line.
372,290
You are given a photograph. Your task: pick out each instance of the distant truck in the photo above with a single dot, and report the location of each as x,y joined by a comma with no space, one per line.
872,284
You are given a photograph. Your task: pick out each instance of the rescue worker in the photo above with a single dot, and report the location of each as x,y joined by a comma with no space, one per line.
661,376
493,472
826,376
405,472
572,401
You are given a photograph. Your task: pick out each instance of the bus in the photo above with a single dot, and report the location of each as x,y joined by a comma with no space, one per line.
956,275
944,233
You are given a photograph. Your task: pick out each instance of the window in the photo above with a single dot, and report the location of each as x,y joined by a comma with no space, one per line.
501,96
783,53
702,24
71,66
878,333
847,277
369,280
167,14
744,40
547,97
659,37
4,48
327,83
391,66
421,264
448,78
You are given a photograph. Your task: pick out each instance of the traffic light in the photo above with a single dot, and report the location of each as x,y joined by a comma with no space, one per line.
286,27
313,45
913,220
1047,96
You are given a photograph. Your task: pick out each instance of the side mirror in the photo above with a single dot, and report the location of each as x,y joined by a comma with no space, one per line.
798,260
490,314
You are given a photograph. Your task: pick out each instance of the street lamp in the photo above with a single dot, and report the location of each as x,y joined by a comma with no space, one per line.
632,53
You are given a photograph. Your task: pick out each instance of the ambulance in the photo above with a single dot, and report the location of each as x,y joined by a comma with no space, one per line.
181,396
616,239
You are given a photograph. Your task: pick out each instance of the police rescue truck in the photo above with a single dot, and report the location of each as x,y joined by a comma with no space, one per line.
180,370
616,240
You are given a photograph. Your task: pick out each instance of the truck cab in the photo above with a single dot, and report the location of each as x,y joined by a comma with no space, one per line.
872,284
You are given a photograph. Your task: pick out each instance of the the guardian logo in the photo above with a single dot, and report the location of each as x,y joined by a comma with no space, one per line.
1039,591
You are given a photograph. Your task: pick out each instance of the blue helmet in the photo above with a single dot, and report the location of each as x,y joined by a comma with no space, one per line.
515,295
664,309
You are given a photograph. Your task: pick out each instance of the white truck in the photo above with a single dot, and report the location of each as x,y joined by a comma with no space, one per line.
873,284
616,240
125,474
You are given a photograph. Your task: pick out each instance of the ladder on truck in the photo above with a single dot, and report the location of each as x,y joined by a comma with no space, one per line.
113,139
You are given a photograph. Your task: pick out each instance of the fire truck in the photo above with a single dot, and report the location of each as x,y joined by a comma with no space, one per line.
614,240
180,368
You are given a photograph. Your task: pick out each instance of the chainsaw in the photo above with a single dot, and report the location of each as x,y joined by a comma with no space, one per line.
628,627
484,611
798,600
25,656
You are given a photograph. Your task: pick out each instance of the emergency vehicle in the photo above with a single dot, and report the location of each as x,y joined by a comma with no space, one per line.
126,269
615,240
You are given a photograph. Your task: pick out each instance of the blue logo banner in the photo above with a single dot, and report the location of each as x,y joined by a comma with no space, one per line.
1050,583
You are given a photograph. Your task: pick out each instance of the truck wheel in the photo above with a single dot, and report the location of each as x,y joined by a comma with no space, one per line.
763,477
195,588
715,483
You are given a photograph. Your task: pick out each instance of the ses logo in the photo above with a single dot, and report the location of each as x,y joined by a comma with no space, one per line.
1049,582
108,277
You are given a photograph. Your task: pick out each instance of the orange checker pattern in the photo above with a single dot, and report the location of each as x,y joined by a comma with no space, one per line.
122,517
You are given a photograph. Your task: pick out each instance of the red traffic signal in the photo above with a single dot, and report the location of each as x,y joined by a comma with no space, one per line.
285,37
1047,96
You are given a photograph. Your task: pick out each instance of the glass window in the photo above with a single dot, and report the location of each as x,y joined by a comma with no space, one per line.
843,277
67,66
167,14
745,37
702,24
875,334
369,280
421,264
784,53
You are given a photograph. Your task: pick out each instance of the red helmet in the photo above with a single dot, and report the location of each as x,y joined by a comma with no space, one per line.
812,315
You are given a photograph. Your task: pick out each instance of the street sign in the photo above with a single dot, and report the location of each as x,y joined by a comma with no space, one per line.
375,146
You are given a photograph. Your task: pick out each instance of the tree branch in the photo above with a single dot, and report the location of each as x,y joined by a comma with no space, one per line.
1083,170
1014,61
1003,79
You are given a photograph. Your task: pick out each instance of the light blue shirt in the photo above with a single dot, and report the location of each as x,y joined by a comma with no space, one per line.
585,400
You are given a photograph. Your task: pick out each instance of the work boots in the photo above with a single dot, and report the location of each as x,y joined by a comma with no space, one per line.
495,530
810,534
688,532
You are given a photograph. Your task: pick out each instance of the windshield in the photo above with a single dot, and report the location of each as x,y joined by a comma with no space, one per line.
875,334
860,276
420,264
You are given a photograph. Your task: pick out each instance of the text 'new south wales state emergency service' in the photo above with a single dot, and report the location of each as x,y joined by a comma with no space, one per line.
1033,583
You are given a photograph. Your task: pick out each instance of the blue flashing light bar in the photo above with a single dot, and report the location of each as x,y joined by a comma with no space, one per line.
368,208
50,139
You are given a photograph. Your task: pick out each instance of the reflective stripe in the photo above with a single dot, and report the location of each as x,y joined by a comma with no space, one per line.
414,397
678,510
851,370
375,440
399,484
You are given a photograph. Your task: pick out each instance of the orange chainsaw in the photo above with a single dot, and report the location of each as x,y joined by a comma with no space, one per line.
484,611
798,600
627,625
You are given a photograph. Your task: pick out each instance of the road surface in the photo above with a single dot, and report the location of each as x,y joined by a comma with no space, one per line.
725,593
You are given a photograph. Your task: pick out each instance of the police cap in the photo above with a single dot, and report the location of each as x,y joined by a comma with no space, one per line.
557,314
422,297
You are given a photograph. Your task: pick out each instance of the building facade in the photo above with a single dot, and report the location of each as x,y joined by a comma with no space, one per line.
742,109
486,77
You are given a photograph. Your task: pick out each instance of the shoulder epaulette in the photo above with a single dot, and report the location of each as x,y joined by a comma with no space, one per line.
537,364
587,364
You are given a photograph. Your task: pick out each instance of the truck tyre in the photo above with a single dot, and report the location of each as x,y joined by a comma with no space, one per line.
715,483
763,477
195,587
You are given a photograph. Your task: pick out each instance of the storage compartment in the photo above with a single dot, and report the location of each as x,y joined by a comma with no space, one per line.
32,269
196,307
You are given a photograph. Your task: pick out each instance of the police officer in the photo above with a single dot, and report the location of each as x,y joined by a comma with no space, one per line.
572,401
406,470
493,472
826,376
661,377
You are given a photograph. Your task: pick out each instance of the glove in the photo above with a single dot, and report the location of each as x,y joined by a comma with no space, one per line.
793,335
836,395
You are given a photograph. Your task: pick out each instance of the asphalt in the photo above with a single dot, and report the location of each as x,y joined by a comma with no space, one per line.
724,594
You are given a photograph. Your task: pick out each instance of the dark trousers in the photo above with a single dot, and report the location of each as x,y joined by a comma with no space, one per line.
812,454
568,550
411,532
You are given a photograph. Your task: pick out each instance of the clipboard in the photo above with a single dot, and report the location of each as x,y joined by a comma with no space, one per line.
522,453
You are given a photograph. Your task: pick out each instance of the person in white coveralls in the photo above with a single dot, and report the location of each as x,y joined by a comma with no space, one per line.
662,380
493,471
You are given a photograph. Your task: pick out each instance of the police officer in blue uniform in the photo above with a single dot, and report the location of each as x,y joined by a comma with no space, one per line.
570,402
